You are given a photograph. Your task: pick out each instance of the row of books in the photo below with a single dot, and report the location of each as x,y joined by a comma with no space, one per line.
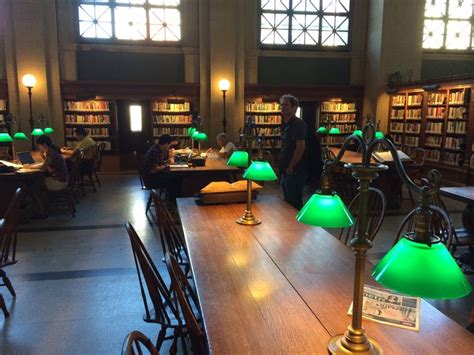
433,140
3,105
267,119
413,113
437,112
457,112
397,138
87,119
89,105
343,117
262,106
434,127
396,127
454,143
456,127
415,99
346,127
398,100
436,98
337,106
107,145
412,127
95,131
458,96
182,119
411,140
335,139
174,131
276,131
433,155
170,107
398,114
452,158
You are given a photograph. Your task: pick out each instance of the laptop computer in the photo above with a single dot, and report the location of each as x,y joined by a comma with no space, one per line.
25,158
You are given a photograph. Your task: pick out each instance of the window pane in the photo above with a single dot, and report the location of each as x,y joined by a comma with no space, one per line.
459,9
165,24
95,21
130,23
335,31
164,2
458,34
433,34
305,29
132,2
281,5
435,8
339,6
276,26
306,5
135,118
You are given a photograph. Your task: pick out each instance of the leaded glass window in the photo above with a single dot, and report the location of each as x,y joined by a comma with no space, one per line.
137,20
317,23
448,24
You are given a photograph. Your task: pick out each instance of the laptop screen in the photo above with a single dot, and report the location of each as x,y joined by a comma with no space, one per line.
25,158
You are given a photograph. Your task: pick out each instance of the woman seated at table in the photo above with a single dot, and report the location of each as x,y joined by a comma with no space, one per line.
226,146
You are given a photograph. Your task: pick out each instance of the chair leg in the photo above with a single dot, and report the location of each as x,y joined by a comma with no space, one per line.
7,282
148,203
3,306
72,208
160,338
91,181
97,178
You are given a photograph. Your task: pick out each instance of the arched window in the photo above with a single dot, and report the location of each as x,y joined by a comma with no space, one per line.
305,23
448,25
137,20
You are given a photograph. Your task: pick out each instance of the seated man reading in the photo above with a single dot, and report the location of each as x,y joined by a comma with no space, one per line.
226,146
84,142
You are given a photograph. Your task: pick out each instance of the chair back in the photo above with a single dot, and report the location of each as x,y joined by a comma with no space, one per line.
75,172
377,205
139,165
8,234
171,237
441,225
186,298
98,159
135,342
89,157
157,291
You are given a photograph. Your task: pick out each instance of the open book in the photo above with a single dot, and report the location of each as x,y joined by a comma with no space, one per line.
13,165
383,157
224,186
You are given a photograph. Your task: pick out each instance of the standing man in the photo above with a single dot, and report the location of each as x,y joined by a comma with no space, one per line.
291,161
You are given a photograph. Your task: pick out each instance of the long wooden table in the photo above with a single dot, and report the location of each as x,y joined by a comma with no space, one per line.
284,287
463,193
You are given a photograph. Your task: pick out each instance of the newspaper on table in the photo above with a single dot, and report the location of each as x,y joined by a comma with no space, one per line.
388,307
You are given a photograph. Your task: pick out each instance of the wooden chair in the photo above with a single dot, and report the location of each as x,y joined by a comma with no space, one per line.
164,311
186,299
143,183
341,178
440,225
98,162
377,206
171,237
3,306
88,162
8,239
134,342
6,281
415,169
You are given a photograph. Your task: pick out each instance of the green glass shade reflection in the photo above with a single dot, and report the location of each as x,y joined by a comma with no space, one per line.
48,130
334,130
379,135
423,271
191,131
239,158
37,132
201,136
325,211
194,135
357,132
5,138
20,136
322,130
260,171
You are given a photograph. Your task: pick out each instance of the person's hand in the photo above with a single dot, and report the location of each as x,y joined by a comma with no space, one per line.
289,170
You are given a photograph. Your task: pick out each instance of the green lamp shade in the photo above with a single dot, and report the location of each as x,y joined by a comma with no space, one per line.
326,211
37,132
48,130
334,130
322,130
357,132
191,131
420,270
5,138
20,136
260,171
379,135
194,135
201,136
239,158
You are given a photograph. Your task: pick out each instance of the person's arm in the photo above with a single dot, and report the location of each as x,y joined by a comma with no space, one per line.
297,155
159,168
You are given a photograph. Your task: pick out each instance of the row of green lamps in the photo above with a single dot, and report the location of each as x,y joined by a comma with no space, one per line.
20,136
195,135
257,171
357,132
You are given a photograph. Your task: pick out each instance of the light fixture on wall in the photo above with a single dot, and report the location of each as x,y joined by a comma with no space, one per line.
224,85
30,81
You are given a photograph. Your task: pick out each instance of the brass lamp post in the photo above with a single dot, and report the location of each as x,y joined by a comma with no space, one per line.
30,81
391,272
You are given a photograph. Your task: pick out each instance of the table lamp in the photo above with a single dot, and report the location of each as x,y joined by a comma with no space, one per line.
48,130
20,136
36,132
200,137
239,158
358,132
322,130
334,130
258,171
6,138
379,135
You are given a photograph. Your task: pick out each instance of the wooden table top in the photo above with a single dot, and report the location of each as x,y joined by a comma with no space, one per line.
350,156
212,166
463,193
286,287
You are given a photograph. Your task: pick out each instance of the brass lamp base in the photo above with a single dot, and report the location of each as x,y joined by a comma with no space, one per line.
248,219
338,345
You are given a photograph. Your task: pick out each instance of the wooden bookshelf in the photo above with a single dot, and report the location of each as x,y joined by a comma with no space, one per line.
96,116
173,119
342,115
440,121
267,119
3,112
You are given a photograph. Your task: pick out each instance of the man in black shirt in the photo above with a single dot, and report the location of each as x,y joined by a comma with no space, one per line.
291,161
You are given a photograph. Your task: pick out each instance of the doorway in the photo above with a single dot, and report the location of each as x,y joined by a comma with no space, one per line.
134,131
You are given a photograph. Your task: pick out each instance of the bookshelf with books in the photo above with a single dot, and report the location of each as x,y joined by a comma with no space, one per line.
172,116
341,115
443,126
267,120
3,112
96,116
